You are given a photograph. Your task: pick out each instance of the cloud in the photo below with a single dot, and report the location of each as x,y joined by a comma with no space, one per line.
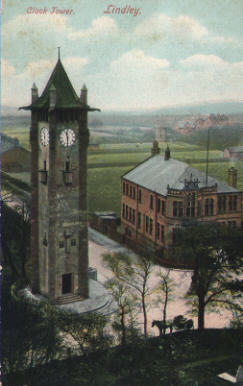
202,61
7,69
137,63
16,86
163,27
100,28
37,69
28,36
181,29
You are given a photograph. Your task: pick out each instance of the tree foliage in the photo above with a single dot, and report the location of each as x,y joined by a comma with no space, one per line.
133,276
217,254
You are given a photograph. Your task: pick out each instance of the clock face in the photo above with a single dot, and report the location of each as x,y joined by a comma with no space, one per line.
67,137
44,136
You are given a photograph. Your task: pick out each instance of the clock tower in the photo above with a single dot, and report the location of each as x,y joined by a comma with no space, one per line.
59,138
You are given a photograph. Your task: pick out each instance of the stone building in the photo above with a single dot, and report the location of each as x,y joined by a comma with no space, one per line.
161,134
59,138
161,194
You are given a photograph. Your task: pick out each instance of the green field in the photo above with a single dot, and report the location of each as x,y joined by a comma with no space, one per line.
220,171
110,162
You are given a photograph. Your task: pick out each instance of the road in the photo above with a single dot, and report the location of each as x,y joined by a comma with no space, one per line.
100,244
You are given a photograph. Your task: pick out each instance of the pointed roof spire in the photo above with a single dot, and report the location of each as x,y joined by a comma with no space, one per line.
34,87
59,53
66,97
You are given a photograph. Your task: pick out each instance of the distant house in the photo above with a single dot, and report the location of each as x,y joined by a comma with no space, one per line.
161,134
161,194
234,152
94,146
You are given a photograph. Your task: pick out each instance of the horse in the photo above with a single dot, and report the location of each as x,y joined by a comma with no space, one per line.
162,326
180,322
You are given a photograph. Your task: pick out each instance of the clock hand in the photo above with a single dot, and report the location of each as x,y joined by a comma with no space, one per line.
67,136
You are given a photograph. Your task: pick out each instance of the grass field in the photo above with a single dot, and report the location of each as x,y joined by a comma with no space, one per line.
220,171
110,162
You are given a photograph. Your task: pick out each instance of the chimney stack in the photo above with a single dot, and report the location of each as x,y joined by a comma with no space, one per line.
167,153
232,177
155,149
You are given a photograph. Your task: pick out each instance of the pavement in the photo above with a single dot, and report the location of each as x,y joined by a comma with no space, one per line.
99,244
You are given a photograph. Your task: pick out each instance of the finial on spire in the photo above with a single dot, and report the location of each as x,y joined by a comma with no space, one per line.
34,93
84,95
59,52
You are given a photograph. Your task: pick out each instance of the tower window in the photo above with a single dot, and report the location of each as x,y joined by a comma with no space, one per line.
61,244
45,240
140,195
73,242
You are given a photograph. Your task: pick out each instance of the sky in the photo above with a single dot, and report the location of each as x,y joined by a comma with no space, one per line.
163,53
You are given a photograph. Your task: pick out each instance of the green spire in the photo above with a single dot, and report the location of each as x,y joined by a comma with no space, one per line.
66,96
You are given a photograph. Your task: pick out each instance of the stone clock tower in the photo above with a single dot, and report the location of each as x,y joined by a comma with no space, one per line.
59,138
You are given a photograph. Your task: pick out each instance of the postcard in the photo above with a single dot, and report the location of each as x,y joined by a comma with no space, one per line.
122,181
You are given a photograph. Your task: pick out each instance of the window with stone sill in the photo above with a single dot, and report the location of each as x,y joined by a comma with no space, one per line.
162,233
147,224
151,227
151,202
163,207
157,231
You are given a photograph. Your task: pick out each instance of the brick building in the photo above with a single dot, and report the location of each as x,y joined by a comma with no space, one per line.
161,194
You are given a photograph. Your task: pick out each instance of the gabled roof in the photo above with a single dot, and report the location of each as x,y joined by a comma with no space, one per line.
155,174
236,149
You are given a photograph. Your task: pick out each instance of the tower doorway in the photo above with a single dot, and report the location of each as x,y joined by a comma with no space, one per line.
66,283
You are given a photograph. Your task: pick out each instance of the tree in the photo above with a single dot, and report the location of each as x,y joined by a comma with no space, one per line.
135,274
123,323
30,338
165,290
15,240
87,330
216,251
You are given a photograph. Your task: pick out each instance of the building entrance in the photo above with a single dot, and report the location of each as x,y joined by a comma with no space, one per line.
67,283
